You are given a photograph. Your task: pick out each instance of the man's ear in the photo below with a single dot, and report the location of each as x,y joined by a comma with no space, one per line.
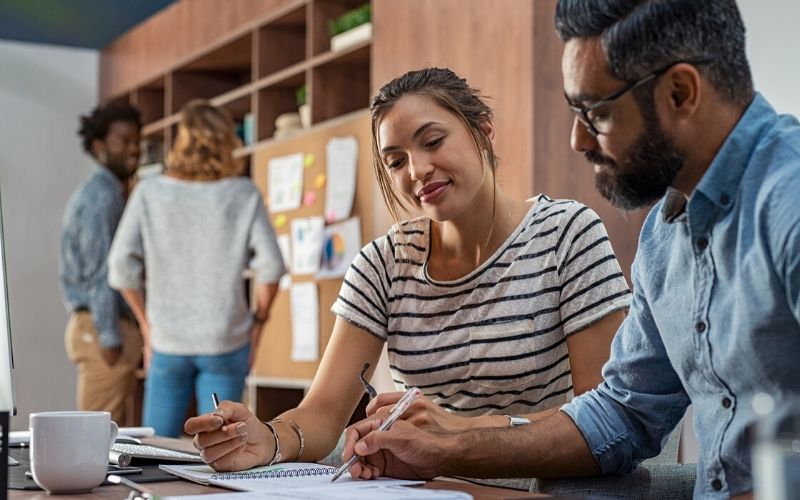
684,89
99,150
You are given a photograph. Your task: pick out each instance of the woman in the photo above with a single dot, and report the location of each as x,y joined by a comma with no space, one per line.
193,232
495,308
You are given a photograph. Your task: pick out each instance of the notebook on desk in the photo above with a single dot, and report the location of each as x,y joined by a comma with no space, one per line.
270,478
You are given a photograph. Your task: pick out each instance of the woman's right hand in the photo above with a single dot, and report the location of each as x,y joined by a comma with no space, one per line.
231,438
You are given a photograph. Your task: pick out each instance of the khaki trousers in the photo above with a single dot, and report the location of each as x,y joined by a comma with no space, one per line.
102,387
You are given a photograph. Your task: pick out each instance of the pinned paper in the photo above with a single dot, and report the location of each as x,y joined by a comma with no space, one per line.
308,161
319,181
342,161
285,182
279,221
305,321
341,244
309,198
306,244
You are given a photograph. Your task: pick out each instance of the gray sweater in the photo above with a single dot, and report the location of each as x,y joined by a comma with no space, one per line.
194,240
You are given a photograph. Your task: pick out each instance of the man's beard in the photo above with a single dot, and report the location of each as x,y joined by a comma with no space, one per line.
644,176
119,168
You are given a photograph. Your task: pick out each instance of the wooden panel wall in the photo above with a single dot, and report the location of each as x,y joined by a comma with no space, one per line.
508,49
170,37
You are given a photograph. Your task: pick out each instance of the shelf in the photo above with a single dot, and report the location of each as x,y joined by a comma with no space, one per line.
344,74
282,42
150,100
322,12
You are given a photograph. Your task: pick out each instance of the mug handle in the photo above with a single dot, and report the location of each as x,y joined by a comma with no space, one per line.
114,432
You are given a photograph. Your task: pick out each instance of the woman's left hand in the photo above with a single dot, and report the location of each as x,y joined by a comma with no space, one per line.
423,413
255,336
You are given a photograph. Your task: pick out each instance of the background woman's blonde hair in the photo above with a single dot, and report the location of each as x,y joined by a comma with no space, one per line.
203,149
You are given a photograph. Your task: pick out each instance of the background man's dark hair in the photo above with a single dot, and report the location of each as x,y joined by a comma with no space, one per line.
639,36
95,125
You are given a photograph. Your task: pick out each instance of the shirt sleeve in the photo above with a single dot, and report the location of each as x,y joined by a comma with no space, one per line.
592,283
630,415
126,259
267,260
786,240
95,234
363,299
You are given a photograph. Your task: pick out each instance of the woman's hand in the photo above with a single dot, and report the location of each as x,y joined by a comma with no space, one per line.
147,347
231,438
423,413
255,336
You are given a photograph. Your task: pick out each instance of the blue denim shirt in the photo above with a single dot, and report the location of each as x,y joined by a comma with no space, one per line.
90,220
715,316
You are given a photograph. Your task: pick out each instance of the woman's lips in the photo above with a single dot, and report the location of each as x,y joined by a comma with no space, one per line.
431,191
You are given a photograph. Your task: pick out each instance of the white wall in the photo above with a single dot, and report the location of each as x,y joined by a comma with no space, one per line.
772,50
43,90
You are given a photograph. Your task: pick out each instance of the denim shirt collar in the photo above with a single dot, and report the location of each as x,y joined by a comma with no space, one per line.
107,177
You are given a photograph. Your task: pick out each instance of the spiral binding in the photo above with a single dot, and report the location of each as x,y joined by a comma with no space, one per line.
274,474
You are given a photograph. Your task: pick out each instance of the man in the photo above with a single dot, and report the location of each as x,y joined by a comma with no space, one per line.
100,337
665,108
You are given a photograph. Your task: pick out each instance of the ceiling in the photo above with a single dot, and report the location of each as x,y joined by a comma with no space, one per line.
75,23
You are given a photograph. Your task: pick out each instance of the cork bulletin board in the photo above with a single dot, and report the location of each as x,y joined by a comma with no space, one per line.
273,358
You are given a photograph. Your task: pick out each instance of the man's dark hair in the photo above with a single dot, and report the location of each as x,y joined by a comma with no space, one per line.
96,125
639,36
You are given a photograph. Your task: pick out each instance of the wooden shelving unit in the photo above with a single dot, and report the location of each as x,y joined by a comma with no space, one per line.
257,70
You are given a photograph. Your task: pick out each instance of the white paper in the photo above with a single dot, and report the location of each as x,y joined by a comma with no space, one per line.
284,243
307,244
342,157
340,244
305,322
285,182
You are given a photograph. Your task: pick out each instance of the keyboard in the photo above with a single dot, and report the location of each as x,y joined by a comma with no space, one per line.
156,453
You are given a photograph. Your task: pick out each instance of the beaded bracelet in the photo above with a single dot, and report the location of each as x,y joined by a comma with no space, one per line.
277,456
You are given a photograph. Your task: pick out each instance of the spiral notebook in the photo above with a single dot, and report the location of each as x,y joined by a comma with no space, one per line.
266,478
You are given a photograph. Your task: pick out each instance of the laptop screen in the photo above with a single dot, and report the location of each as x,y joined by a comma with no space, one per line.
7,401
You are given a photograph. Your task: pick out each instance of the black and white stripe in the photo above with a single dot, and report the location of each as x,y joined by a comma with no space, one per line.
493,341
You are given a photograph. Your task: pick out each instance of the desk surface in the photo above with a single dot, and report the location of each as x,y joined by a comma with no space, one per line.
181,487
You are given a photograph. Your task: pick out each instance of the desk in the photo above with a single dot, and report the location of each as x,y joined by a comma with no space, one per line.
181,487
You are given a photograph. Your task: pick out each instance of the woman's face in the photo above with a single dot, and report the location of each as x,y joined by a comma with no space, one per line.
431,157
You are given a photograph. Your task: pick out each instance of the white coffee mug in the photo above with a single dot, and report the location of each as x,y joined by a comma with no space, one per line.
69,449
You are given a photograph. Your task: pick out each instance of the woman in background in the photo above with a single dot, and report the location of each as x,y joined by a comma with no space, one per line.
497,309
187,237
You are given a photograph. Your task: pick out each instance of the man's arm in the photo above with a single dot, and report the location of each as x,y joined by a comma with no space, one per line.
551,447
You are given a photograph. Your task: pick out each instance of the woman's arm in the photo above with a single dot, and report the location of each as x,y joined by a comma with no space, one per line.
232,438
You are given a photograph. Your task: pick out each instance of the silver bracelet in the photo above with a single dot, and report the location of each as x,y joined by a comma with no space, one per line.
277,456
297,431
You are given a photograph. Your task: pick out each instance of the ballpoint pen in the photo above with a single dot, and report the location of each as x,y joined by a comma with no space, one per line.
215,399
141,492
398,410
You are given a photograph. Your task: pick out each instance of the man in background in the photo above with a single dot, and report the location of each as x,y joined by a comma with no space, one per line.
665,110
101,338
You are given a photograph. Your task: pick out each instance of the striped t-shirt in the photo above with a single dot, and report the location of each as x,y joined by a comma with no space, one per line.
493,341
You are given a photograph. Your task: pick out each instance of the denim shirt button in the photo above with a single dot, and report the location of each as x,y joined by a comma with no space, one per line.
700,326
724,199
716,484
726,402
702,243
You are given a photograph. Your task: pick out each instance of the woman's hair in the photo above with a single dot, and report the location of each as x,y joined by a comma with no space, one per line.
203,149
96,124
449,91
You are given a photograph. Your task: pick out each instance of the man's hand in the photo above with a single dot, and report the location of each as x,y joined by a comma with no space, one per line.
112,354
404,451
423,413
231,438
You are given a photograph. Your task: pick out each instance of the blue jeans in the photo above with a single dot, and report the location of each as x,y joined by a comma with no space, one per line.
171,379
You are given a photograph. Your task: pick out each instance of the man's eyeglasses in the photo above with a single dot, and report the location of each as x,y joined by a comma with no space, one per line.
598,123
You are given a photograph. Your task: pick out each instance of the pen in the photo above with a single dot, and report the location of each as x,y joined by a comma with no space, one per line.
398,410
215,399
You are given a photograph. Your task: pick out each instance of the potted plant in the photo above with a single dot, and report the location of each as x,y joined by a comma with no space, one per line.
352,27
301,94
